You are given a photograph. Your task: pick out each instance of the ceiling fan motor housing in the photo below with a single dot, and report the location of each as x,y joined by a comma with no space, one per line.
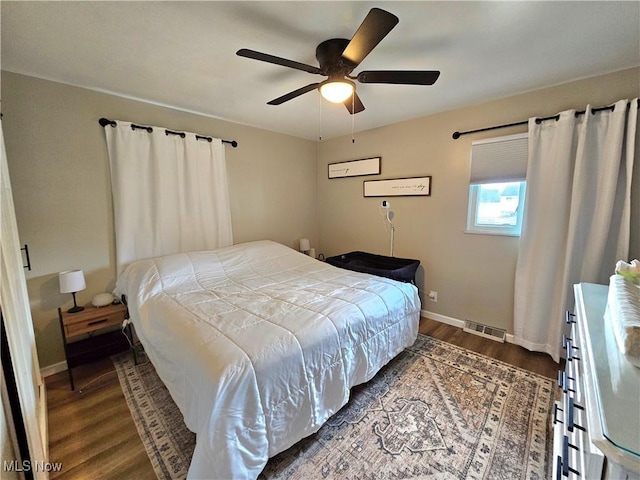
329,56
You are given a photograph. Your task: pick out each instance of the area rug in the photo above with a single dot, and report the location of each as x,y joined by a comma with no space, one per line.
435,411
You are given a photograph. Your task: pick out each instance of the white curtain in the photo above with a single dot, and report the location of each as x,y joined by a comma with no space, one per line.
576,218
170,193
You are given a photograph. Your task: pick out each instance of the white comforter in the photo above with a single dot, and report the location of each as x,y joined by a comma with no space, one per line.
259,344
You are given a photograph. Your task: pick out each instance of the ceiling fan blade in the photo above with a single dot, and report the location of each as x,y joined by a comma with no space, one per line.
294,94
354,106
265,57
402,77
376,25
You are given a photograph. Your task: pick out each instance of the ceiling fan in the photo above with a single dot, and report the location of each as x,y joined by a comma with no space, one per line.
338,57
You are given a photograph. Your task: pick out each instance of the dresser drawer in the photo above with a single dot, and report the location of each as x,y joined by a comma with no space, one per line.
567,460
558,433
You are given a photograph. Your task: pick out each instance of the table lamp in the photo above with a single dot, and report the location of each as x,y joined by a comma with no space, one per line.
72,281
304,245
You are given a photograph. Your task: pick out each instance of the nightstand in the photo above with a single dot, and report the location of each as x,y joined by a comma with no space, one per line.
90,322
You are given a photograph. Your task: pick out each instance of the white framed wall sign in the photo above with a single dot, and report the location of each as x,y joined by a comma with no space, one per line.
398,187
355,168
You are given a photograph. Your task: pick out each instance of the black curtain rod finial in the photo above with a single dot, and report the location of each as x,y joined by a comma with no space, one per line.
105,121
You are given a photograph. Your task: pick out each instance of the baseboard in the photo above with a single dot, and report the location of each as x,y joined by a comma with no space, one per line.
53,369
442,318
455,322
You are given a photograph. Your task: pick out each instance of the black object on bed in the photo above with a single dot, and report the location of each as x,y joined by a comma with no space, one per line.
401,269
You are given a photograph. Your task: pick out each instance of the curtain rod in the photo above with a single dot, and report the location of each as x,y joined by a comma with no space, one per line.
457,135
105,121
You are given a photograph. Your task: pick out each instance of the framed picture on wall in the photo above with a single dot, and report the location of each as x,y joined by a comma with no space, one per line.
398,187
355,168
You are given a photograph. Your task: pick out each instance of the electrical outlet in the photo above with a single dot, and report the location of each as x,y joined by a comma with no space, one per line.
433,296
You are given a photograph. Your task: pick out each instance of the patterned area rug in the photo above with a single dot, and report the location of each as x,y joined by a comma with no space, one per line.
436,411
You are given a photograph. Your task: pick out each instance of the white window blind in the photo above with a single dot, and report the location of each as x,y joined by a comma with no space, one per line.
500,159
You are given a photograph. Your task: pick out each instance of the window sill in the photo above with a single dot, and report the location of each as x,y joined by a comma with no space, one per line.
492,232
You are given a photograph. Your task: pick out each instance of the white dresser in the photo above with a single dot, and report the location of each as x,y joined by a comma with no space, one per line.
597,420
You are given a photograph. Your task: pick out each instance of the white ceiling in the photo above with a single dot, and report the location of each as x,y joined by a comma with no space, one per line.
182,54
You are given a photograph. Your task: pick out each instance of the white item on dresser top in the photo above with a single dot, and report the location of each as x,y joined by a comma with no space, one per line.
623,313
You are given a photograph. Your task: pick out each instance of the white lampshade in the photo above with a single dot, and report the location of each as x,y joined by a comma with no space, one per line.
71,281
337,91
304,245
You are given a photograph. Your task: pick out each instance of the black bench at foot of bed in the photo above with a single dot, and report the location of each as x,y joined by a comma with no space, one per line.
401,269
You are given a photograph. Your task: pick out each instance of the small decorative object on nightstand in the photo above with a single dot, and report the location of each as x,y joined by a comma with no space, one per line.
72,281
89,322
102,300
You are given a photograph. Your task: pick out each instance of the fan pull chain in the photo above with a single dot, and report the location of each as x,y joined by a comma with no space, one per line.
319,117
353,115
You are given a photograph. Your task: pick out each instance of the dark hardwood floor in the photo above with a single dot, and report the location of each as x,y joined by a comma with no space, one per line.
540,363
92,434
91,431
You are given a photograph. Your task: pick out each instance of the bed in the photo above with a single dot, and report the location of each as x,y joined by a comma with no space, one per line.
259,344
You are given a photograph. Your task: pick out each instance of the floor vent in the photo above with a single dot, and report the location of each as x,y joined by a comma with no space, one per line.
493,333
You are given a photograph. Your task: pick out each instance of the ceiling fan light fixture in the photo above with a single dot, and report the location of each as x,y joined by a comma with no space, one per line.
337,90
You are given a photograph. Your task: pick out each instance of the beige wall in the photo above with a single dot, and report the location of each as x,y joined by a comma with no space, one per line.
60,177
473,274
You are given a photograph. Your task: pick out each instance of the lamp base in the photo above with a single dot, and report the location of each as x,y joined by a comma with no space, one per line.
75,308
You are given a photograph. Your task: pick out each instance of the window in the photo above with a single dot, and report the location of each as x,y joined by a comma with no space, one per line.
497,185
496,208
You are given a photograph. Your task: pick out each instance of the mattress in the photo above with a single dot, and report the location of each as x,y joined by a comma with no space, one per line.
259,344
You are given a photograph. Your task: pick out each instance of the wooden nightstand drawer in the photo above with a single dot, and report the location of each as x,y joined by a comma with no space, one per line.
87,325
91,319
